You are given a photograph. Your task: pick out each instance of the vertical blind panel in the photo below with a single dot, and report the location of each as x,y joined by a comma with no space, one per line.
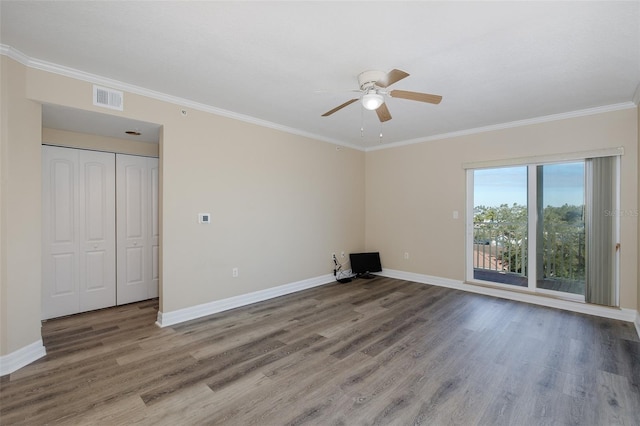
600,193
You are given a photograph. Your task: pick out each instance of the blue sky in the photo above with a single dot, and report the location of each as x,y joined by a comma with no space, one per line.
563,184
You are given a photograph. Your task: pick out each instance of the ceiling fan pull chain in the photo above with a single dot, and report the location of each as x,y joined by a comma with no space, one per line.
361,122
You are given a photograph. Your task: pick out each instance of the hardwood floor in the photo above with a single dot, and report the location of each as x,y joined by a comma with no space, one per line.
379,351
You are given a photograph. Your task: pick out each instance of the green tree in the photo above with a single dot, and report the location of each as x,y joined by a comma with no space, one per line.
563,238
504,227
563,242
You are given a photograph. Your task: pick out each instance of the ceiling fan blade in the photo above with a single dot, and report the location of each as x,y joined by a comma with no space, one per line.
339,107
383,113
416,96
392,77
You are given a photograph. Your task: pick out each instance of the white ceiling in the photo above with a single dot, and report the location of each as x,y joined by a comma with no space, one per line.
493,62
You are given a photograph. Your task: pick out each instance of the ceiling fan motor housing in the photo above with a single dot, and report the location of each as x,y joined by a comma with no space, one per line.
368,79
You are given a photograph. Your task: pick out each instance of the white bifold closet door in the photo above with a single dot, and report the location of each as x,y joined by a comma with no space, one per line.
100,230
79,245
137,230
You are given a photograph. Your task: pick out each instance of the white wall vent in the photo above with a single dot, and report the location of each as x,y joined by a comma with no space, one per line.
108,98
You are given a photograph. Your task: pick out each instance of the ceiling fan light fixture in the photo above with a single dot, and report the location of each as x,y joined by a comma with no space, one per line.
372,101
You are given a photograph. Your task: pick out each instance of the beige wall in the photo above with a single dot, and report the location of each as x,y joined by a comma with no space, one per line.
281,203
4,136
98,143
412,191
4,152
21,206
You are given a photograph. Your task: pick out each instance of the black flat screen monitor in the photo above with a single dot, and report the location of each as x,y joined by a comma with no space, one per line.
364,263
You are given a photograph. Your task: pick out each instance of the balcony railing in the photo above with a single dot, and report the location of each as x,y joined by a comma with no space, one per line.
502,247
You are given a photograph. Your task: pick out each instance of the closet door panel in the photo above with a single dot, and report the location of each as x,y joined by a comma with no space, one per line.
98,230
133,217
60,251
134,201
62,187
135,263
64,280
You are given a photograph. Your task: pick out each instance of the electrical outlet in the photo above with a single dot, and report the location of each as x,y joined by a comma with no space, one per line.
406,255
342,255
234,272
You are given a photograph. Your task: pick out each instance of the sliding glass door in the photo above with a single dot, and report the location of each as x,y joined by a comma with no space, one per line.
529,227
500,221
560,227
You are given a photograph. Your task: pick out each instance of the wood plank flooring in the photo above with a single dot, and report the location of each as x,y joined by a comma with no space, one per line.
370,352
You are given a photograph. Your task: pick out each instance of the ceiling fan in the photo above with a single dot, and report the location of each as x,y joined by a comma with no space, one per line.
373,85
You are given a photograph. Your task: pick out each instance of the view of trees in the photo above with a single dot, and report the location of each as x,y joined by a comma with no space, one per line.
561,241
564,242
504,229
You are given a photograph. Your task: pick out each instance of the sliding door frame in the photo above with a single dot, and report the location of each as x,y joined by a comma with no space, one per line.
532,164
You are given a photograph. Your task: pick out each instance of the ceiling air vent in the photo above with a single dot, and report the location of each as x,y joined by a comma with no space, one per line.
107,98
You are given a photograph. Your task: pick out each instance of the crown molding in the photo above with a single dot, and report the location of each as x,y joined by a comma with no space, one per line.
512,124
130,88
104,81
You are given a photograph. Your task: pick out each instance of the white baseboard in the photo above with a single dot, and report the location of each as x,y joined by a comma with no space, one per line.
628,315
23,356
166,319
